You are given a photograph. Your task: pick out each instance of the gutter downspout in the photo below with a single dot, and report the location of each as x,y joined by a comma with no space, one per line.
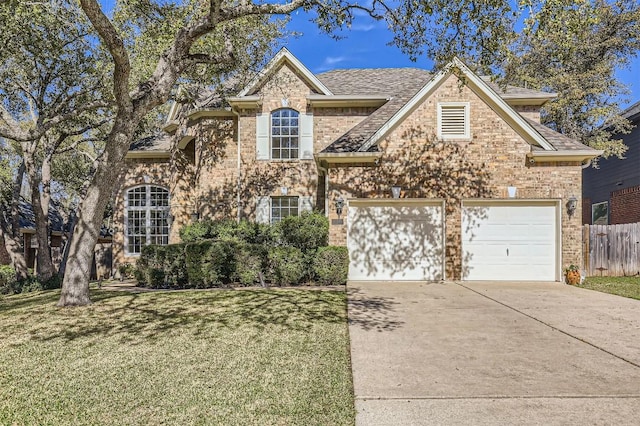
239,183
587,164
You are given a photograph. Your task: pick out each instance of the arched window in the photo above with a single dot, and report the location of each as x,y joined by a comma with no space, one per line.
147,217
284,134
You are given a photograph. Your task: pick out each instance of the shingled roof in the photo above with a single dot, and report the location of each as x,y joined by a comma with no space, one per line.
558,140
399,84
155,143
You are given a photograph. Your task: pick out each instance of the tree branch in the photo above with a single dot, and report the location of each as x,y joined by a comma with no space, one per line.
117,49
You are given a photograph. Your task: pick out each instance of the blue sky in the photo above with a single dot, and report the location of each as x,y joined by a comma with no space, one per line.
366,46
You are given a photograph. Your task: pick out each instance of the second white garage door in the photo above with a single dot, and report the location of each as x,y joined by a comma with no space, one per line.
512,240
395,240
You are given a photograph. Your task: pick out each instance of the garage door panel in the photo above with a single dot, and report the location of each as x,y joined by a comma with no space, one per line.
395,242
509,242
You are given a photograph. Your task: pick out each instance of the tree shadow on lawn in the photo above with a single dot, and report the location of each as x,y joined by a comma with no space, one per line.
371,313
139,317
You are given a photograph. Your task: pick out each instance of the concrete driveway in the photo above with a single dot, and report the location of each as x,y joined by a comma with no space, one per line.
493,353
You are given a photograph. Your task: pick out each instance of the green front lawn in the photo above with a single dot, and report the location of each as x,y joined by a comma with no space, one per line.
228,357
621,286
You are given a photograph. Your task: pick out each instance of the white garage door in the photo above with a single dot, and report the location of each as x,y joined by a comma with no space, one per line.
509,241
395,240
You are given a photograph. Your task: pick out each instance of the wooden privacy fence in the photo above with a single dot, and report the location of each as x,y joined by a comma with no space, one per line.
611,250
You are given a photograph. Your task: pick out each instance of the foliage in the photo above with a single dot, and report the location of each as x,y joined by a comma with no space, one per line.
245,231
210,263
286,265
8,283
306,232
250,262
331,265
574,48
126,270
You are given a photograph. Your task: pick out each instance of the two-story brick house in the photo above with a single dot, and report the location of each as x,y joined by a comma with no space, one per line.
423,176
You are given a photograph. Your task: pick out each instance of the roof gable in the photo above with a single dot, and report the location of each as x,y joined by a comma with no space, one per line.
284,56
480,88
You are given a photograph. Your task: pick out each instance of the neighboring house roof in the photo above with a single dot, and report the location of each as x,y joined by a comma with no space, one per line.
632,113
27,218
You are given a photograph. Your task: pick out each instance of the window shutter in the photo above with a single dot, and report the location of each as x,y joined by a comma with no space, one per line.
262,136
262,210
306,136
305,204
454,121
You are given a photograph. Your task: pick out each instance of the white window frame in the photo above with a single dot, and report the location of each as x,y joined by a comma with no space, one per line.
290,197
297,136
593,208
467,120
147,209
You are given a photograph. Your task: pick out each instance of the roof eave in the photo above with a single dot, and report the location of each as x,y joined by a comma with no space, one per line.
348,157
148,154
564,155
347,100
245,102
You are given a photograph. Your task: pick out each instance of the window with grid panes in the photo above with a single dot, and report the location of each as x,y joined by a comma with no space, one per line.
284,134
147,217
282,207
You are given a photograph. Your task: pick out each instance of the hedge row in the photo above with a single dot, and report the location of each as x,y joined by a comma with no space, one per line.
219,263
9,284
308,231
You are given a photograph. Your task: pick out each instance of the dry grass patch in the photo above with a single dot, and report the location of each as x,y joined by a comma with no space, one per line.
621,286
198,357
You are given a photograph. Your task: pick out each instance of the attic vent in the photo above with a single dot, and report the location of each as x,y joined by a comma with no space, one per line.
453,120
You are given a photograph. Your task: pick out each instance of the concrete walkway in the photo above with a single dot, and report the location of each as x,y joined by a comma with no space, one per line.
493,353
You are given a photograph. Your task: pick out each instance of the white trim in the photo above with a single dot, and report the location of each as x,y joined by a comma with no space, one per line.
148,154
466,106
147,209
285,56
481,89
565,155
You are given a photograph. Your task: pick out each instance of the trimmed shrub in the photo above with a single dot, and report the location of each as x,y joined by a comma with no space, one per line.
306,232
249,264
175,268
210,263
196,231
286,265
8,283
331,265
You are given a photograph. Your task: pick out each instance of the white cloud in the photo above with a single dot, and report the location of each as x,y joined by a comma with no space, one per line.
363,27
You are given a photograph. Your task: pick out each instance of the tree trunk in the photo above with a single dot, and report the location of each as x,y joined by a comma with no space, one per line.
44,266
10,229
75,286
16,254
71,226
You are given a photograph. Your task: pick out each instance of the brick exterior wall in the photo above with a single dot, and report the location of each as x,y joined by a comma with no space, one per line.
205,176
624,206
494,152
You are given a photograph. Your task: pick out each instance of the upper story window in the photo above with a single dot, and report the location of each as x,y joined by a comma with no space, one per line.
146,217
453,120
284,134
